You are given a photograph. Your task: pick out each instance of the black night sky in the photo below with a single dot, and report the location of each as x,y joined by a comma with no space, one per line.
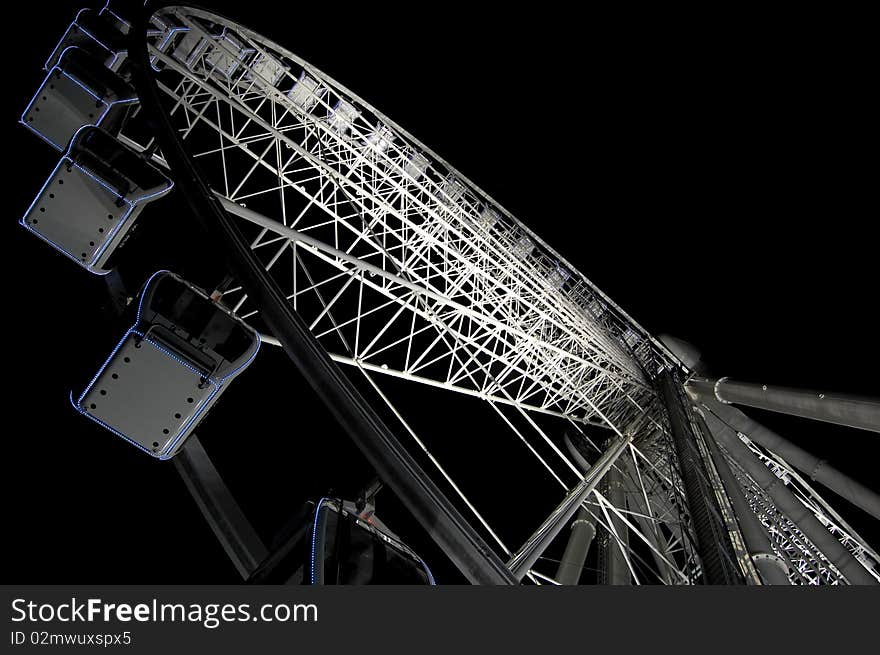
710,176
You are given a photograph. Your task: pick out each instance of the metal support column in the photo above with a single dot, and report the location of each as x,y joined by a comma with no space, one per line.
773,569
715,551
795,511
583,531
636,502
807,463
842,409
525,557
616,568
571,566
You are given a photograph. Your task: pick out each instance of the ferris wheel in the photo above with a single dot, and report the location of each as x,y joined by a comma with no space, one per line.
366,257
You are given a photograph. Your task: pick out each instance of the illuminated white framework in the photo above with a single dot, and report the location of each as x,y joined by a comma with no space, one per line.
402,267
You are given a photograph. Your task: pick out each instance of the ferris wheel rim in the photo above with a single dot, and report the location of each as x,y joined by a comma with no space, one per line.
246,32
196,10
628,370
425,221
604,508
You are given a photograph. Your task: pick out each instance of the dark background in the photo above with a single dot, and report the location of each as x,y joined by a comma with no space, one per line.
710,174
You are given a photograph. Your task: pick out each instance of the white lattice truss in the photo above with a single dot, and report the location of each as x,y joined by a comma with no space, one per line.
449,300
402,267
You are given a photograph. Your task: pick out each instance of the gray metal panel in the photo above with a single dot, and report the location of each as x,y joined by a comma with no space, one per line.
225,56
148,396
267,71
189,48
60,108
74,36
77,215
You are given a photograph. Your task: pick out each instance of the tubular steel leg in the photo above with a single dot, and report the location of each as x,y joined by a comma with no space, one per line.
817,469
842,409
571,566
795,511
635,501
716,556
583,531
525,557
616,569
773,569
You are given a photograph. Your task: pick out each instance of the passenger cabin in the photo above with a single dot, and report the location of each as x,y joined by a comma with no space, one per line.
93,197
343,116
488,217
79,90
118,12
353,547
596,309
523,246
453,190
167,34
221,55
266,72
307,92
169,368
558,276
631,338
227,56
380,139
416,166
99,34
188,48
